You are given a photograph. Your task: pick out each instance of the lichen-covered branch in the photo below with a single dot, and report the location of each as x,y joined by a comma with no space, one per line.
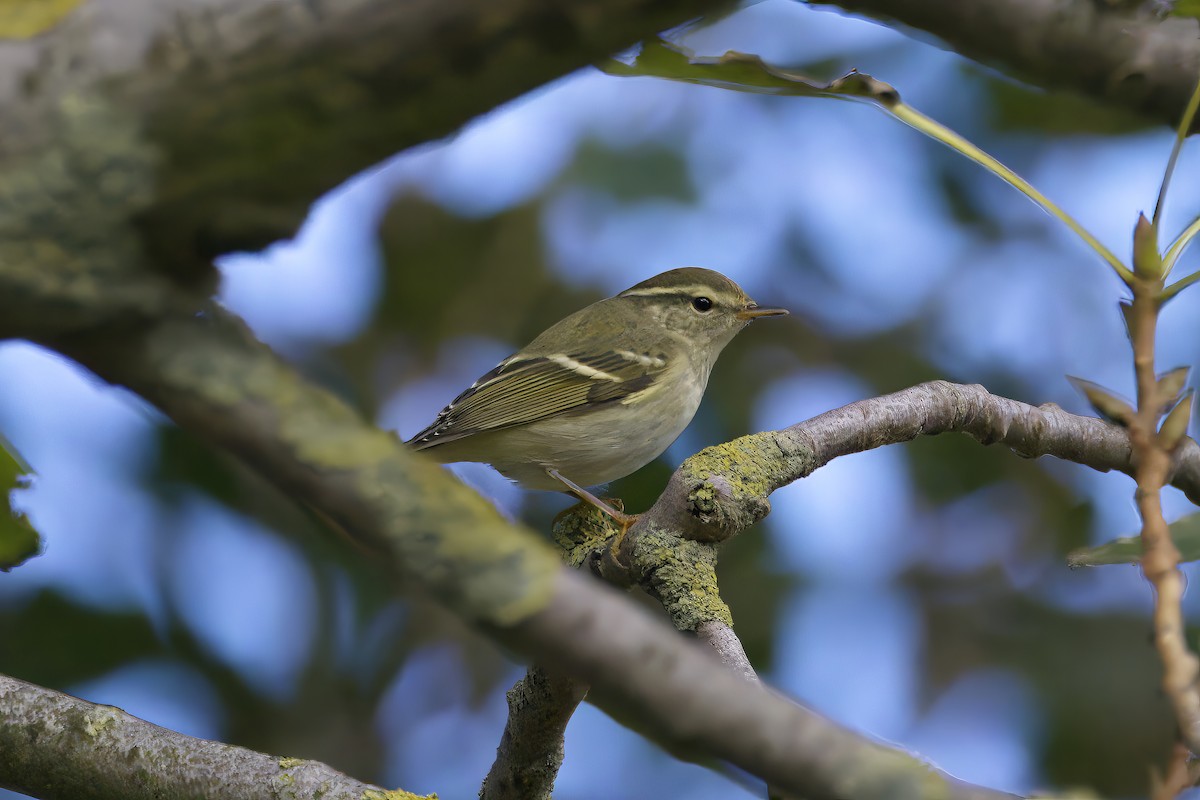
680,573
725,488
214,378
670,689
211,376
1101,49
671,551
722,490
214,125
59,747
540,705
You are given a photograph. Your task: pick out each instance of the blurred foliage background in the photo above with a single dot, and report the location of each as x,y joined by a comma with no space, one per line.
917,593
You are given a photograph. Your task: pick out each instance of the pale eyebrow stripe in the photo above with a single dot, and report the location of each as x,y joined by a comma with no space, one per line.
582,369
655,291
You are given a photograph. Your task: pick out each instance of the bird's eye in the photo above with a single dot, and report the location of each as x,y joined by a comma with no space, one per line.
702,304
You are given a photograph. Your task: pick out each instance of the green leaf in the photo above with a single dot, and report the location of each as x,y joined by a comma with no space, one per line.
1185,532
1175,426
1176,248
1178,286
637,173
51,639
745,72
1170,384
1107,404
19,542
748,73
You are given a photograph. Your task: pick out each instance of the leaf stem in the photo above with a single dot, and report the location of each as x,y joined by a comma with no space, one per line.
910,116
1181,132
1175,251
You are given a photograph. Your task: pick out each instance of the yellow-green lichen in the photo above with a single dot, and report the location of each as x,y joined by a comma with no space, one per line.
750,464
884,772
24,19
682,573
729,484
97,719
583,530
396,794
69,254
290,763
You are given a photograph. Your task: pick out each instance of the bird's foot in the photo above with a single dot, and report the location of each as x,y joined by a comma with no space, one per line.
620,517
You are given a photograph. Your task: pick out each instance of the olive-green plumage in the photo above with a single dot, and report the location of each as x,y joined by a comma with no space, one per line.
602,392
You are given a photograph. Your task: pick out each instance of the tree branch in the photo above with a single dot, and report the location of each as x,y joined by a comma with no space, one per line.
154,154
531,748
728,647
715,494
1086,46
214,125
1153,454
215,380
724,489
60,747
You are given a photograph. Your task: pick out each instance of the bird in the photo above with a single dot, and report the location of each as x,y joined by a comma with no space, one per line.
602,392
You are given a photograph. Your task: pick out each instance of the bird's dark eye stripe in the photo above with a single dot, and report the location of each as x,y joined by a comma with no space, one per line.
702,303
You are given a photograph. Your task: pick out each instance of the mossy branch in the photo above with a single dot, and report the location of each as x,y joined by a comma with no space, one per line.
59,747
213,378
719,491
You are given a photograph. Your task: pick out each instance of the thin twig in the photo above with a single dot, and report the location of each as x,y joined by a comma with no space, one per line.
1160,559
1152,450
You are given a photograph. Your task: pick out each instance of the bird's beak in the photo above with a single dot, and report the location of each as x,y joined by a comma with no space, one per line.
752,311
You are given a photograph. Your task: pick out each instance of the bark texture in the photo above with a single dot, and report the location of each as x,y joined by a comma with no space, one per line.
1108,51
59,747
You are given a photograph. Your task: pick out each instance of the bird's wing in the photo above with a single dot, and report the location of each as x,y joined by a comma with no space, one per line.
526,388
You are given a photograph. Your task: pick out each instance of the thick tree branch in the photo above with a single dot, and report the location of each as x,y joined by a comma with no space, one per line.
59,747
1128,59
215,380
149,136
724,489
676,692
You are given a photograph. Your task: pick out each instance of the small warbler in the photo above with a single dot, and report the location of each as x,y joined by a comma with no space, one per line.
601,393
